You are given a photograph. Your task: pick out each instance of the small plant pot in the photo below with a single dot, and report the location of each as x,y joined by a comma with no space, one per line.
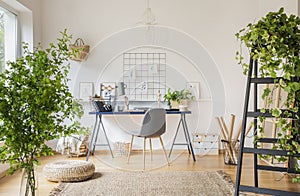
174,104
183,108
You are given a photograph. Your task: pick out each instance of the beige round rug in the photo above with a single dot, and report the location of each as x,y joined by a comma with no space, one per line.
172,183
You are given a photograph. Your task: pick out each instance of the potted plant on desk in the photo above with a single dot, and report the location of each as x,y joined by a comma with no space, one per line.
184,96
171,98
178,99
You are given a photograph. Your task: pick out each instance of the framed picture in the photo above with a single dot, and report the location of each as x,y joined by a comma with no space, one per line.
194,88
108,89
86,89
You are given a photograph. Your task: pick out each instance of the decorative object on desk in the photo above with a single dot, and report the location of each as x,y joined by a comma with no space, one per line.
35,101
120,108
151,183
158,98
126,100
108,89
121,88
120,95
96,97
86,90
79,50
101,106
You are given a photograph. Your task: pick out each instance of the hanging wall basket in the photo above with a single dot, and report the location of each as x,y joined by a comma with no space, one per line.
79,50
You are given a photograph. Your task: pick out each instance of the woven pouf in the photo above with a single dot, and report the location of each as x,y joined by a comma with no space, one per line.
68,170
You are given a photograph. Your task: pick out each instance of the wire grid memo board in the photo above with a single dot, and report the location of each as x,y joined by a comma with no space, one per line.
145,75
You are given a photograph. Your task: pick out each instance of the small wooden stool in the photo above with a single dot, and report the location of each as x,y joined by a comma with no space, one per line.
68,171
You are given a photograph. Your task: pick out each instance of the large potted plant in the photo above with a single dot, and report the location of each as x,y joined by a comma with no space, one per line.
274,42
36,106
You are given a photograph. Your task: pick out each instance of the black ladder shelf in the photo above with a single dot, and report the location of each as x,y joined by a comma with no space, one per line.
253,81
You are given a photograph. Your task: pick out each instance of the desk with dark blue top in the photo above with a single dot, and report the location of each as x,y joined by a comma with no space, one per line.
99,122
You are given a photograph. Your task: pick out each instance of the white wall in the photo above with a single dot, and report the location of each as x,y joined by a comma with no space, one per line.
34,18
290,7
212,23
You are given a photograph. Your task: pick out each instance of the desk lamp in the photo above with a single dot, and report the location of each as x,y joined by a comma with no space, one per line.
121,91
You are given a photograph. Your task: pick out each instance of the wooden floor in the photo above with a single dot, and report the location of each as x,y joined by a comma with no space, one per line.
10,185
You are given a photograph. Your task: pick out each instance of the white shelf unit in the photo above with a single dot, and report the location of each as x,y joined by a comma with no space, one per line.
206,144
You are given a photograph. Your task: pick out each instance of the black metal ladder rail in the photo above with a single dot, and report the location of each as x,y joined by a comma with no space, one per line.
253,66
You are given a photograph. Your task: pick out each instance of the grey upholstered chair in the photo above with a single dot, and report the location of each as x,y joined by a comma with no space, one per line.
153,126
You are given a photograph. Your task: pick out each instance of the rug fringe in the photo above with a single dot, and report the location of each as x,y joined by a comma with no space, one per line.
225,176
228,179
56,190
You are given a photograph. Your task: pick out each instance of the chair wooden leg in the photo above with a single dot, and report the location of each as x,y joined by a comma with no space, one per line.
162,144
150,142
144,149
130,148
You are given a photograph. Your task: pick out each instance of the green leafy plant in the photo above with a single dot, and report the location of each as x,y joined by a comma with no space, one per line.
36,106
178,95
273,42
170,96
184,94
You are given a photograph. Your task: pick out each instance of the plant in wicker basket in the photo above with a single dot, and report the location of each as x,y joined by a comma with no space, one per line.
35,103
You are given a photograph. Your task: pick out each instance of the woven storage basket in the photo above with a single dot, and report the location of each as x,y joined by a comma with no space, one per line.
121,148
68,171
81,50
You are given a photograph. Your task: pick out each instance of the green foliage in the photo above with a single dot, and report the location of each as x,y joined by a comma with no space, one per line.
274,41
178,95
36,106
170,96
184,94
